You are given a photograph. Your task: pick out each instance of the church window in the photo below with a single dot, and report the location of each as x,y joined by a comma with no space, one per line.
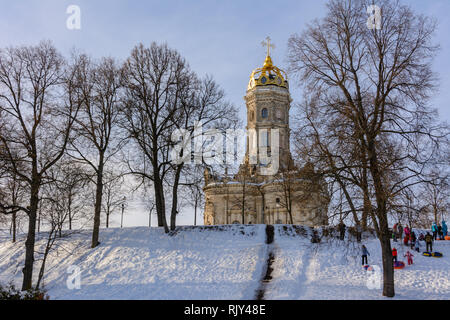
264,113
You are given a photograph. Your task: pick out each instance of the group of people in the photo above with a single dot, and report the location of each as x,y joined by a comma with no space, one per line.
411,239
439,230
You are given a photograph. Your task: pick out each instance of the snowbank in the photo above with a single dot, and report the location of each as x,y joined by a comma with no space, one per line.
332,270
144,263
224,262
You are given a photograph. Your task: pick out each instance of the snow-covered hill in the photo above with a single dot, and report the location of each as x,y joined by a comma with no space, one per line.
225,262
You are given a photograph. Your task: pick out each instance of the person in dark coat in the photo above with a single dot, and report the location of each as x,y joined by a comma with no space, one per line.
364,254
400,231
429,242
413,239
341,230
444,228
439,231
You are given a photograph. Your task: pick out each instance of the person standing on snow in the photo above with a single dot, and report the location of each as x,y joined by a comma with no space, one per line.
400,231
439,228
444,228
434,229
394,232
341,230
405,240
413,239
407,231
429,242
394,254
417,245
364,254
409,255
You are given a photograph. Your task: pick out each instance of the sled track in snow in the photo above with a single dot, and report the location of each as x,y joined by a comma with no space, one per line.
268,268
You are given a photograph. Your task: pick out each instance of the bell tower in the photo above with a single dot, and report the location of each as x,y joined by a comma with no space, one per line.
256,193
268,103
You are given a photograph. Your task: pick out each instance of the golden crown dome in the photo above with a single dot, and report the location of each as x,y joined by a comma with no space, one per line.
268,74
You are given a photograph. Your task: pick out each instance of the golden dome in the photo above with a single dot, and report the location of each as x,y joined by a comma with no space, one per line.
268,74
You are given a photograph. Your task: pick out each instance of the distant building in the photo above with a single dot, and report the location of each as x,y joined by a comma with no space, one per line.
252,195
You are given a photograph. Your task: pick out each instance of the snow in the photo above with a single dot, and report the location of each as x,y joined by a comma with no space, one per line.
224,262
332,270
144,263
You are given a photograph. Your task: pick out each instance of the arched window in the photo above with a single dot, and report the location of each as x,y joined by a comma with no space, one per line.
264,113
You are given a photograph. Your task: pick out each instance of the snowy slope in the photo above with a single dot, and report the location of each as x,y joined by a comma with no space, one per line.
144,263
332,270
225,262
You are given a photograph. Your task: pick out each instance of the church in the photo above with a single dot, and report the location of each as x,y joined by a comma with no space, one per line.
268,187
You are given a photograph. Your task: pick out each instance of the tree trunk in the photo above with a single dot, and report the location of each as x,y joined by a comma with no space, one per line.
173,214
50,241
98,204
14,226
383,234
388,266
31,237
159,199
195,211
70,210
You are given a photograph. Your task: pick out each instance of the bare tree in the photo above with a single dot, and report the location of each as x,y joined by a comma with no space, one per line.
435,196
98,137
39,113
372,86
203,104
155,77
163,95
113,194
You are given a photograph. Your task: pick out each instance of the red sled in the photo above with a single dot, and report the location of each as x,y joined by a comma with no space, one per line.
399,265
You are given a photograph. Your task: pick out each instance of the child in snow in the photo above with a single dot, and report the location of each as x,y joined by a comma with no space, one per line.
409,255
364,253
444,228
394,254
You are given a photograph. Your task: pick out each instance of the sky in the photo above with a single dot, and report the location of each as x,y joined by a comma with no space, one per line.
218,38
